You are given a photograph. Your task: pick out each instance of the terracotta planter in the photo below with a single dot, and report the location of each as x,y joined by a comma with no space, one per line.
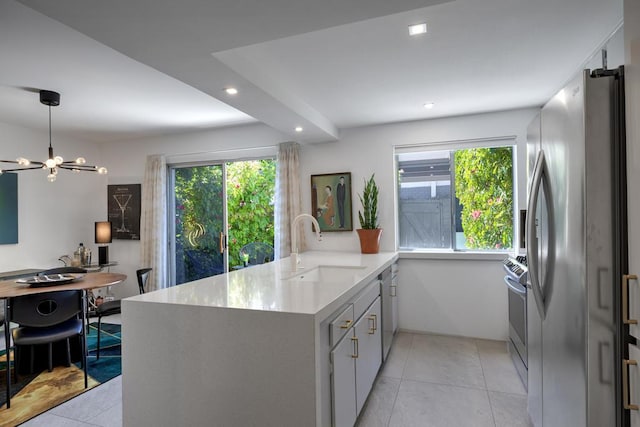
369,240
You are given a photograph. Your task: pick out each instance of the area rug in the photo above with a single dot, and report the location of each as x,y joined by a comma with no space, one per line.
37,393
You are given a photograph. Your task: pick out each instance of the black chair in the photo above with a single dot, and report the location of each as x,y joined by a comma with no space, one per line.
65,270
257,252
4,322
46,318
143,276
57,270
114,307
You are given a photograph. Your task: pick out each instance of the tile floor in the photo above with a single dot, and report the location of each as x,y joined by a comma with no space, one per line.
428,380
442,381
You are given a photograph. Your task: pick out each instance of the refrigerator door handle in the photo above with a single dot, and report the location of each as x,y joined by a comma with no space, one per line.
532,241
625,299
625,384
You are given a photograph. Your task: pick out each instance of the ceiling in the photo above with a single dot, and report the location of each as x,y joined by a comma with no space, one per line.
134,68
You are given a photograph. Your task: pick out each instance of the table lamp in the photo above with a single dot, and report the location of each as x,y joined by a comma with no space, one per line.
103,235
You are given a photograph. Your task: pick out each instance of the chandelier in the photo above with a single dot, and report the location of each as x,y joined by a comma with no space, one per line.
54,163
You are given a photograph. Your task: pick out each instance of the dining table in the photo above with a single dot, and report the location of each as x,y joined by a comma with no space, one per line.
15,288
12,288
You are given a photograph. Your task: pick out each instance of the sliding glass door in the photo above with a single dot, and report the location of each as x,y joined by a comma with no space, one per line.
198,238
218,213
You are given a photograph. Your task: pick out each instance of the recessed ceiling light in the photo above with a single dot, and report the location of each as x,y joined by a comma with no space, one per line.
429,105
416,29
231,91
299,129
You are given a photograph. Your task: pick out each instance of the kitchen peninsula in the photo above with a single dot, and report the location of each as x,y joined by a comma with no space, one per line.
251,347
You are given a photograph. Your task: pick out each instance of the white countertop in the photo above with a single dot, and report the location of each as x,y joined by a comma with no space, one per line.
265,288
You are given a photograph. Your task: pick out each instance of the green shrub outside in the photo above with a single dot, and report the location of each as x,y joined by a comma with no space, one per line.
198,194
250,201
484,187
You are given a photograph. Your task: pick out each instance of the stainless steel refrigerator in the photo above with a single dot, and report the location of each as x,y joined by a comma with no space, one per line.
576,252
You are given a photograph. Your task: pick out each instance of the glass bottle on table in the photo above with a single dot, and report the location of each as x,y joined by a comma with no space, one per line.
86,258
78,256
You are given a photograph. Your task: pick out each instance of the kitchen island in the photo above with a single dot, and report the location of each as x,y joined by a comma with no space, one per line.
250,347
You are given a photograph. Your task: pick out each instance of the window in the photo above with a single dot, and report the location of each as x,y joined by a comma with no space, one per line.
456,197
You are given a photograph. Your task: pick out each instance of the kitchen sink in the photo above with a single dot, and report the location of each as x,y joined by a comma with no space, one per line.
328,273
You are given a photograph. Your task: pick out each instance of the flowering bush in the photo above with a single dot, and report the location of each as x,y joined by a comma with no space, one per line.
484,187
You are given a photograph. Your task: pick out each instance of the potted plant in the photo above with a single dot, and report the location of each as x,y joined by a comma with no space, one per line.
369,233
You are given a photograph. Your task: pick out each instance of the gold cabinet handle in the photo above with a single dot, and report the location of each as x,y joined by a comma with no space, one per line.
625,384
374,328
346,325
625,299
356,351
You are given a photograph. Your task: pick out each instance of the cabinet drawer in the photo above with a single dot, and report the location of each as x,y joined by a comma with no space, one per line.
365,298
340,325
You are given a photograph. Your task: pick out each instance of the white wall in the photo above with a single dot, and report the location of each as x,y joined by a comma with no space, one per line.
458,297
52,217
454,297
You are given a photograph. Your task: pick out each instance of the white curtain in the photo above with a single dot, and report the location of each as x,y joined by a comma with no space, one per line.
288,197
153,221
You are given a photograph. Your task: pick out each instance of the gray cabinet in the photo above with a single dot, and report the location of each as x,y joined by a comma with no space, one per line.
389,307
369,356
394,297
343,381
356,357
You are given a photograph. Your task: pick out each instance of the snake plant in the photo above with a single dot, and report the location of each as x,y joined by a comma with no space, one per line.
369,201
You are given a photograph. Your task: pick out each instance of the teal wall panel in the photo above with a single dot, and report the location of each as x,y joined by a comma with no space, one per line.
8,208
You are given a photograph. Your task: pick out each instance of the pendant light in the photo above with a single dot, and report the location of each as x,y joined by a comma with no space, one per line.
53,163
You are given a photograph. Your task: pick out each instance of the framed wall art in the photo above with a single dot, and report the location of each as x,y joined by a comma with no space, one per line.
331,201
124,211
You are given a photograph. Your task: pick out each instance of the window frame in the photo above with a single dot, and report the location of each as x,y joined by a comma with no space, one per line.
452,146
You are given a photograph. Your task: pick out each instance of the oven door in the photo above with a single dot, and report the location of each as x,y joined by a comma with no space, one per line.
518,317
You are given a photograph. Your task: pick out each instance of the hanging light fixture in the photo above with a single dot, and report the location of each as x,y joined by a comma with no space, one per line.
53,163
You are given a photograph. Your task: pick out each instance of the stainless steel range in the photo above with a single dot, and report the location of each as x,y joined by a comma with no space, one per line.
516,281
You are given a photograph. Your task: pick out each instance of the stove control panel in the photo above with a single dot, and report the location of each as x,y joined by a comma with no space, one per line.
516,268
